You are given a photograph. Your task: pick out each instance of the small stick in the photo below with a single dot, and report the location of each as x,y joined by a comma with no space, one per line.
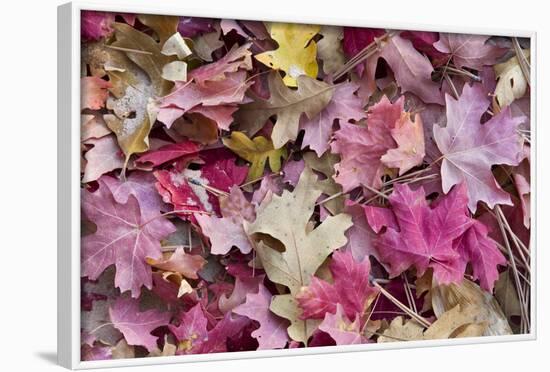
332,197
128,50
213,190
519,289
423,321
523,62
451,84
261,178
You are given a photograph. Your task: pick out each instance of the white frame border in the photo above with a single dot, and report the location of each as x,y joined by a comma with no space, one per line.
68,322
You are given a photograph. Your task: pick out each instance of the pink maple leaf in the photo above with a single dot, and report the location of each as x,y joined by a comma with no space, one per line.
272,333
195,338
424,237
137,326
124,237
94,92
142,186
103,157
351,288
168,153
482,253
470,148
228,231
341,329
467,50
343,106
361,148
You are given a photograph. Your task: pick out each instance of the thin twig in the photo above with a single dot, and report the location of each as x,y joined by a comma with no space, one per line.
332,197
420,319
365,53
519,288
524,64
128,50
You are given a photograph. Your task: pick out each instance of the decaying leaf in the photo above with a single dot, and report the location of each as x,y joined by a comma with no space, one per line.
445,297
511,83
133,112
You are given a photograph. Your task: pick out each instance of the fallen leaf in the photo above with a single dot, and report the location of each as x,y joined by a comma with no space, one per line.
136,326
296,54
511,83
257,151
272,331
304,251
124,237
287,104
470,149
466,50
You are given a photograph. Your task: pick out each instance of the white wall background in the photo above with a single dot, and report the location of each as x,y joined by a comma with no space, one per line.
28,182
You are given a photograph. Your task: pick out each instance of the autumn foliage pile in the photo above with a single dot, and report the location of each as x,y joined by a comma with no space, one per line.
250,185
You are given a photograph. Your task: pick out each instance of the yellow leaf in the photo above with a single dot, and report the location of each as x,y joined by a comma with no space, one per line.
286,218
511,84
257,151
297,53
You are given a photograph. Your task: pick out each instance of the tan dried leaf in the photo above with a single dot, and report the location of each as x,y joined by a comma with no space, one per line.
287,104
446,297
305,249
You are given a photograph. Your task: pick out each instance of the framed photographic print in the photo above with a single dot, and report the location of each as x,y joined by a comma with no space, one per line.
244,186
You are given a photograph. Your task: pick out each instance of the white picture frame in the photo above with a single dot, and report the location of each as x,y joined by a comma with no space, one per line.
68,344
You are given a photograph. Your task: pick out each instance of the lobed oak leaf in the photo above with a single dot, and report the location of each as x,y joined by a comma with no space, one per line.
470,148
304,250
297,52
447,296
163,26
329,49
124,237
137,326
257,151
511,84
272,331
134,114
287,104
